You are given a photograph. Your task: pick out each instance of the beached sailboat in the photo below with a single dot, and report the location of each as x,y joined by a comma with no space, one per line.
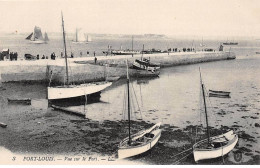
36,36
79,37
72,91
140,142
213,147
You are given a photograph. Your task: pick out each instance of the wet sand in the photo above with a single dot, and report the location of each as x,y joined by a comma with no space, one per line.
36,130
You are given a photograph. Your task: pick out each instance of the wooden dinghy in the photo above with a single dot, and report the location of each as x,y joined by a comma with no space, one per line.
217,147
218,93
145,73
140,142
3,125
20,100
112,78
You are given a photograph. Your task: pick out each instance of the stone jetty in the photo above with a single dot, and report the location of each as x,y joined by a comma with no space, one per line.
83,69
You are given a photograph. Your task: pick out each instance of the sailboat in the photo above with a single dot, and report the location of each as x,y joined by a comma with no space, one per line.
46,38
88,38
36,36
79,37
140,142
230,43
127,51
216,146
72,91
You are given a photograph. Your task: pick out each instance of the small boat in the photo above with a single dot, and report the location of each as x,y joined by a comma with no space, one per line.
88,38
145,64
20,101
36,36
112,78
79,38
258,52
74,91
3,125
140,142
230,43
216,146
125,52
146,73
219,146
218,93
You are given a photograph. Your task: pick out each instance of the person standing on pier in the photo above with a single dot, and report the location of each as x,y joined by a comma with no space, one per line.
95,60
94,54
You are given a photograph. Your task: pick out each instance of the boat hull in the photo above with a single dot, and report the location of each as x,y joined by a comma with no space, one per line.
38,42
129,151
79,42
125,52
73,91
203,154
145,73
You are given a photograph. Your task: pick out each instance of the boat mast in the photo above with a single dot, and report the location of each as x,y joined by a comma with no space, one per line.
76,35
64,40
128,99
142,52
132,46
202,86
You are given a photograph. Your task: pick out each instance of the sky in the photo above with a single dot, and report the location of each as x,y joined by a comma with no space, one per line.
169,17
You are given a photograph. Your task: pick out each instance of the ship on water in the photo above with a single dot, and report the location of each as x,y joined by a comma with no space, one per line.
230,43
36,36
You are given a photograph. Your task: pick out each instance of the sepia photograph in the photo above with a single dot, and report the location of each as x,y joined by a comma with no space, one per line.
130,82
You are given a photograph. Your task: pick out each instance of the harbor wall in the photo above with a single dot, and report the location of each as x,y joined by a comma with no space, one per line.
54,70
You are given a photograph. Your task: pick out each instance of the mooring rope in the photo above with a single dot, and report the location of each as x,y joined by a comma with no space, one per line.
181,152
178,161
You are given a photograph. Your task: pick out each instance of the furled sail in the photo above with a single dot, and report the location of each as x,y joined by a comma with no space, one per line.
37,33
29,37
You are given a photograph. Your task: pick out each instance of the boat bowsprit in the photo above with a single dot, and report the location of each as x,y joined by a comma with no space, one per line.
218,93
